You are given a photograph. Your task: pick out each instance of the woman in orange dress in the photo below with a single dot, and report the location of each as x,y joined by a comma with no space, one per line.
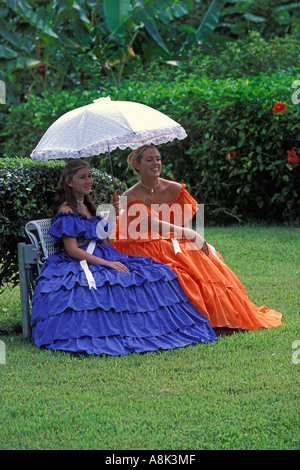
155,221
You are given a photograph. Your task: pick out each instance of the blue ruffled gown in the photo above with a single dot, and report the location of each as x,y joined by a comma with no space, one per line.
143,310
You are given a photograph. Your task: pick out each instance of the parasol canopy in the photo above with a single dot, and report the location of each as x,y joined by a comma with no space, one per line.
104,125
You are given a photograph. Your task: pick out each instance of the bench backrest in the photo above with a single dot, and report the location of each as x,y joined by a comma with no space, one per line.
37,232
32,256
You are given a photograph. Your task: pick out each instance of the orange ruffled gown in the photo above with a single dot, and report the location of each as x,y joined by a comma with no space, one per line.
207,280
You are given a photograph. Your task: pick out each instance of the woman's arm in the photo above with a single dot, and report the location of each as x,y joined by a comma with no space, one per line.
112,218
161,226
74,251
144,221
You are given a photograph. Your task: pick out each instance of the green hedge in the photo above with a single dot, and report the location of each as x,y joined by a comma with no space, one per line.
232,114
234,118
245,57
224,99
219,116
27,190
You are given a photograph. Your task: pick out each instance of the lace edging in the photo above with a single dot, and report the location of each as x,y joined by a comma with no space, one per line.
129,141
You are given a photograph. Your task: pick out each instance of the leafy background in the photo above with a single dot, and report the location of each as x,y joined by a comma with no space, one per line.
216,67
219,67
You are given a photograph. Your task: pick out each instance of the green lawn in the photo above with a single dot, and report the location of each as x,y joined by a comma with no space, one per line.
241,392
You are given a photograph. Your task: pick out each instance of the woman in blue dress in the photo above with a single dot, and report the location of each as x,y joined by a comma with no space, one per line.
91,298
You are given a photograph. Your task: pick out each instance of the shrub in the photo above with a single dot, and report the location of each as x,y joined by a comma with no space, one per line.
232,115
238,148
26,122
27,189
244,57
223,110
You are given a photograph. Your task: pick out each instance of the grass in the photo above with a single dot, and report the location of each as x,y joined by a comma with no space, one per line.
241,392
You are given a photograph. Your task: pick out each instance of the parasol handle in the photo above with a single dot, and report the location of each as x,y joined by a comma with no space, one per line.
115,199
111,169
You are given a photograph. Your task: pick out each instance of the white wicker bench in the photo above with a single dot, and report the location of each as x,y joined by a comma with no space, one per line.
31,258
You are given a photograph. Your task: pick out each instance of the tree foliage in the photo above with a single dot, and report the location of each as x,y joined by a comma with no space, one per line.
59,42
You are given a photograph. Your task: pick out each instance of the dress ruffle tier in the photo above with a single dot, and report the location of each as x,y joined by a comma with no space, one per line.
207,281
143,310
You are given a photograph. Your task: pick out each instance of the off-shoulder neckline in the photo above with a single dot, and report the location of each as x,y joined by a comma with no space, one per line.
178,195
76,214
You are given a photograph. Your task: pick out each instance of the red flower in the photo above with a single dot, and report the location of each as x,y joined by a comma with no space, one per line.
231,155
42,68
292,156
279,107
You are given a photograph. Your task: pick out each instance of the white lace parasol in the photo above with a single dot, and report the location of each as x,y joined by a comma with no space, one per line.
103,126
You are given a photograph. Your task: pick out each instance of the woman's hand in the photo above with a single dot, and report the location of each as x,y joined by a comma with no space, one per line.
75,252
201,243
116,265
115,202
196,238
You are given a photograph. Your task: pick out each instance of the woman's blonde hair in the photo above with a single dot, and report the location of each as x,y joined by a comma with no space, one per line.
136,156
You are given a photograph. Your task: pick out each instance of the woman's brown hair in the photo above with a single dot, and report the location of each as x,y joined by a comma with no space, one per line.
65,192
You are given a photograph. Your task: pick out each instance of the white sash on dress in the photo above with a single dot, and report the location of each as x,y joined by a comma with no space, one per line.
176,246
214,252
85,267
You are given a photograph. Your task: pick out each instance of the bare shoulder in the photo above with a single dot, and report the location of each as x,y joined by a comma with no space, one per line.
65,208
131,193
171,184
171,187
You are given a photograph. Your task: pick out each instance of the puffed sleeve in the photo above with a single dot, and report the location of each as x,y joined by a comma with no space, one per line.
71,224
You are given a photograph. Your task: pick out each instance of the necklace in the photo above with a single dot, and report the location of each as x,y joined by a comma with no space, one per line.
148,187
79,202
